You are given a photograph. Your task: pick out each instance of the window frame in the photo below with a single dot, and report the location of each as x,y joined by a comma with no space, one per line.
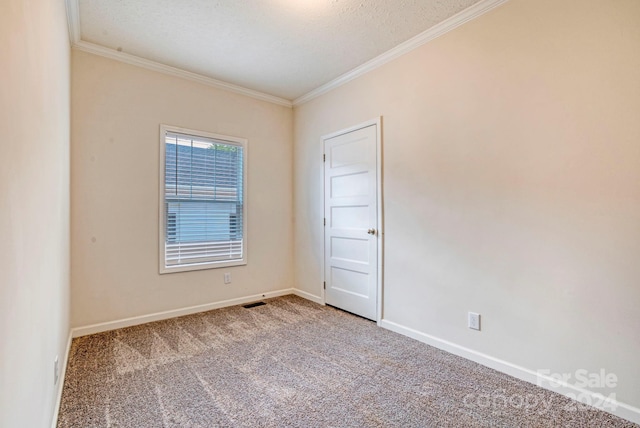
241,142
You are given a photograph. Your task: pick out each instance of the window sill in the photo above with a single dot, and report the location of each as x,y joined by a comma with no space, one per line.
201,266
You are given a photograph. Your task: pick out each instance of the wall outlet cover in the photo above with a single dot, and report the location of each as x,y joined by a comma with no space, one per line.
474,321
56,370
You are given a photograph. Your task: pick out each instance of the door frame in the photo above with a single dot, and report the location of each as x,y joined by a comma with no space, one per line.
379,208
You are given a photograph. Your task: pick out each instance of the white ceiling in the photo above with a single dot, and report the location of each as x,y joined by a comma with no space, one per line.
285,48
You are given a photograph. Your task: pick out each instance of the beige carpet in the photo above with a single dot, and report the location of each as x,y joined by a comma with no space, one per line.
292,363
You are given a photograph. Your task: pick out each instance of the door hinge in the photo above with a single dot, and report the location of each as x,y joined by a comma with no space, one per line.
324,158
324,285
325,221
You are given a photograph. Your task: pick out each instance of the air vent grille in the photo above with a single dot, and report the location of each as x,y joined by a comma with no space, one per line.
253,305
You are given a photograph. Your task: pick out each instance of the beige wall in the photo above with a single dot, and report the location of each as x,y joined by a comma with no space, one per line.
34,207
511,185
117,110
511,169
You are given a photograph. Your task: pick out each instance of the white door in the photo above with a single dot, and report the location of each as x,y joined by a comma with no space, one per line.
351,214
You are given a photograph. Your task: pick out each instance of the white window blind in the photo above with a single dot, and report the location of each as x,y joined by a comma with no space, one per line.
203,211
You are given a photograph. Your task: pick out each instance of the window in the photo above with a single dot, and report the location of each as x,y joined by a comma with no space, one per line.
202,207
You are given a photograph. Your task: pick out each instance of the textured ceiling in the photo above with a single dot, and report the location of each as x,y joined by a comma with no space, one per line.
284,48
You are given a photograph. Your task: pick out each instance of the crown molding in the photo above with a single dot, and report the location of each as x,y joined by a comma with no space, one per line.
480,8
437,30
73,18
177,72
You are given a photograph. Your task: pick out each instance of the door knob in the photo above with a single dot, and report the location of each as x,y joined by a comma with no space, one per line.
371,231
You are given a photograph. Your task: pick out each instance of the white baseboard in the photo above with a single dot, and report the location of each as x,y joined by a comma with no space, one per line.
308,296
63,373
158,316
617,408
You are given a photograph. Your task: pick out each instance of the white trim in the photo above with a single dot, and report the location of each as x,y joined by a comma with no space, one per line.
63,373
437,30
622,410
351,129
379,201
380,225
236,141
158,316
177,72
478,9
316,299
73,20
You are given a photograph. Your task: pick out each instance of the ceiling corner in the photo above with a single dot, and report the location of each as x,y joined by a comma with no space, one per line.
434,32
73,20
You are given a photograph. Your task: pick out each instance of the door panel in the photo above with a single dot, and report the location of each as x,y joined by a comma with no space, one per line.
350,185
350,217
348,154
349,281
350,249
351,211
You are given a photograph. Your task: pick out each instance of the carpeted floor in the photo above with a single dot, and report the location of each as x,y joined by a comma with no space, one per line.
293,363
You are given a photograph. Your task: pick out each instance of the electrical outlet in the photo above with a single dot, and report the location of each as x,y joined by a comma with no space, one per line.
227,278
474,321
56,370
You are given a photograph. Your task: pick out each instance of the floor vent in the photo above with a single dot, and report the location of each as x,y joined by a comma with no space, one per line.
253,305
